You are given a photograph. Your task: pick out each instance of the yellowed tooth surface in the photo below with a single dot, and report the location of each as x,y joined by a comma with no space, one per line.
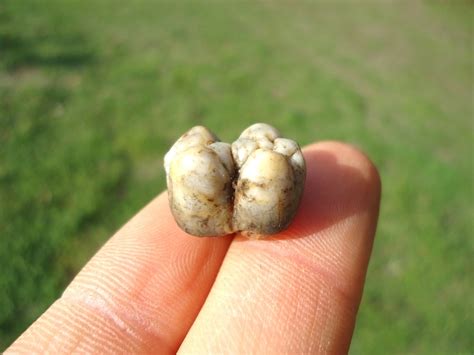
270,182
199,177
253,186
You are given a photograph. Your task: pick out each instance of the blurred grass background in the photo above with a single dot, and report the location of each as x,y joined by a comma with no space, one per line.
93,93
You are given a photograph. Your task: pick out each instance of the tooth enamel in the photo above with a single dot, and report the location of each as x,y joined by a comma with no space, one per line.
266,171
270,182
241,150
199,177
225,155
196,136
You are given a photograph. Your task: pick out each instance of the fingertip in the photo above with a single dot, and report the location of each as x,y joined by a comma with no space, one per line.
368,192
343,192
349,155
311,274
341,182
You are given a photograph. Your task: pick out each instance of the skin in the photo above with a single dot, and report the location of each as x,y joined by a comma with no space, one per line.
154,289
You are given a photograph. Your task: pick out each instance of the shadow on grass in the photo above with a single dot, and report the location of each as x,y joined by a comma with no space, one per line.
54,50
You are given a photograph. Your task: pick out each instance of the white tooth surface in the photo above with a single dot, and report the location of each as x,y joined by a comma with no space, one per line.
266,171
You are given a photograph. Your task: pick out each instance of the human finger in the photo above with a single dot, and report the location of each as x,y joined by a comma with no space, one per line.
299,291
139,293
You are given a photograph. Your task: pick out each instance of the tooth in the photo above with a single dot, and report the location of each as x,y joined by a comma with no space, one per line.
267,172
199,176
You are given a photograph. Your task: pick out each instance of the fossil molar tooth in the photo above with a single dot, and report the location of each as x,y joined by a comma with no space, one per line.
253,186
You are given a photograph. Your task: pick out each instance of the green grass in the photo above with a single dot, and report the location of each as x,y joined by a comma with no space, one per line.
92,94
